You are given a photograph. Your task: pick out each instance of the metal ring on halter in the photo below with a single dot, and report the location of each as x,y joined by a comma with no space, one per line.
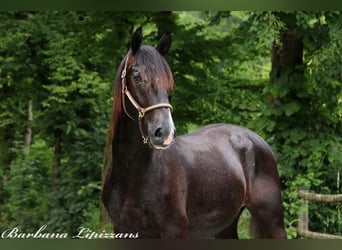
141,113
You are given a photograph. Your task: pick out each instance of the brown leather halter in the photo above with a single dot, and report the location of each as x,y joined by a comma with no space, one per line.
141,111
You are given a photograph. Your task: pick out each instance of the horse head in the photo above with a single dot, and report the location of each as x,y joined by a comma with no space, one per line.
146,80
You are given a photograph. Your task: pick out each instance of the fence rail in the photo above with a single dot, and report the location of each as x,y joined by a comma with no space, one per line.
303,224
306,195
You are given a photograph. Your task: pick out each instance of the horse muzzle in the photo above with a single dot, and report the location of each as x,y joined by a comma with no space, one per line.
162,138
161,131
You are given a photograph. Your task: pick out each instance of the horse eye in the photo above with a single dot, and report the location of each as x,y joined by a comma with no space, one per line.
136,76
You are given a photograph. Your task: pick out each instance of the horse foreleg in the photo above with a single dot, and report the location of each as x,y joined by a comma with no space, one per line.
229,232
176,228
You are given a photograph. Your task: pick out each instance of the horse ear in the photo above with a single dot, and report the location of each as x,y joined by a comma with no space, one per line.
136,40
164,43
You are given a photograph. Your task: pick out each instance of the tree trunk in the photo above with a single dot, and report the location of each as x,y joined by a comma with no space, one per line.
28,135
287,60
57,159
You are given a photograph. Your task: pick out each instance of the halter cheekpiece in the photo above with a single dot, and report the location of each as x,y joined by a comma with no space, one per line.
141,111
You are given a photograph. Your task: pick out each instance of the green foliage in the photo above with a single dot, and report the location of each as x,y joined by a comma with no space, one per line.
304,124
30,192
65,62
70,96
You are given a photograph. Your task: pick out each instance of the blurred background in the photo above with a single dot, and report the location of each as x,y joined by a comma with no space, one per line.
277,73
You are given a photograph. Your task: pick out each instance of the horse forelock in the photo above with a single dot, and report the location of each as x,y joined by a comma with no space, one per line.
157,70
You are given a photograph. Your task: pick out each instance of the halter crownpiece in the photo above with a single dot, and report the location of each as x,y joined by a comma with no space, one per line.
141,111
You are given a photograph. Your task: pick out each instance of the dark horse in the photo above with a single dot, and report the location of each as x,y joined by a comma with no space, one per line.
191,186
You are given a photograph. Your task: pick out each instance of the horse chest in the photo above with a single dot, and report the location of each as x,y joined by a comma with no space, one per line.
132,211
132,214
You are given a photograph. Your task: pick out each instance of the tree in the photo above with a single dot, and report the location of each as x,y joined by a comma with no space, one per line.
278,73
302,109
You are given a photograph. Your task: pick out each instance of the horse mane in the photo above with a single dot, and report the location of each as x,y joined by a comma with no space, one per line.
159,76
116,113
117,99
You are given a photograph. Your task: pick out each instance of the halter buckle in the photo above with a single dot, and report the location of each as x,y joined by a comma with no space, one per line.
141,113
145,139
123,73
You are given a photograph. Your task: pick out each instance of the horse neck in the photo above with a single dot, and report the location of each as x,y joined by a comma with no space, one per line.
130,155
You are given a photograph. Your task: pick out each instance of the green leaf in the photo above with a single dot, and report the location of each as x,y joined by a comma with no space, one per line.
291,108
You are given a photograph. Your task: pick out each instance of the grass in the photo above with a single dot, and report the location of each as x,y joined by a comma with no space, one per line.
244,225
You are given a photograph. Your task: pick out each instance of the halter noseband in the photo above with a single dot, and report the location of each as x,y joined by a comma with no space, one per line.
141,111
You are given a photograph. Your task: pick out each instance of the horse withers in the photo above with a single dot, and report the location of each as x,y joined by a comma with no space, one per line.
190,186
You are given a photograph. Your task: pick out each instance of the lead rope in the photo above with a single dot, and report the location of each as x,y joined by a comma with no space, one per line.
141,111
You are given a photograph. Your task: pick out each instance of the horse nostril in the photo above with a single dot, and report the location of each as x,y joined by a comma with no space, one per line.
159,133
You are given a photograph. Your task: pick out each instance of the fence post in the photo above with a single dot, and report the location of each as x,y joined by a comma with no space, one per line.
303,220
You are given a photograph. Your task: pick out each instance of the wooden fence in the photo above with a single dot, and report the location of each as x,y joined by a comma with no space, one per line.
303,224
